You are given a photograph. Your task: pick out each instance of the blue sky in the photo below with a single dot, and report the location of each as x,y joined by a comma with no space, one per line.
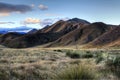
41,12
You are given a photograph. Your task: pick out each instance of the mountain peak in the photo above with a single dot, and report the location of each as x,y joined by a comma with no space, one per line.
77,20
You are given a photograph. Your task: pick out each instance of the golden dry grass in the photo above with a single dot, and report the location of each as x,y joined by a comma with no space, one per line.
40,63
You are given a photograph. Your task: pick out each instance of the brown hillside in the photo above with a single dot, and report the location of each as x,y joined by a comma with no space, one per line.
64,26
82,35
111,37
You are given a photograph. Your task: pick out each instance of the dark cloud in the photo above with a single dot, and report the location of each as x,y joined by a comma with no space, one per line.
8,8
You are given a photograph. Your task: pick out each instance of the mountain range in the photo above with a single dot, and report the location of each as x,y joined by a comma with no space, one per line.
66,33
21,29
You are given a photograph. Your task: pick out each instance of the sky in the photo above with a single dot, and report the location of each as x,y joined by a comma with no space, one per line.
39,13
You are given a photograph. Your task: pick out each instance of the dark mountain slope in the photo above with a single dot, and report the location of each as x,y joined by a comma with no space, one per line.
9,36
30,40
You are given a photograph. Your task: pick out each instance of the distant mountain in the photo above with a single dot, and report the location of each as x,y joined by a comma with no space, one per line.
22,30
66,33
3,32
32,31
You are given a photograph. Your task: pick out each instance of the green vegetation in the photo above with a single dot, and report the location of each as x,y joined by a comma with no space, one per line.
114,65
79,54
101,57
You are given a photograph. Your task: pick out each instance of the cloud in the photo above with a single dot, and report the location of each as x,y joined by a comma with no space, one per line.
42,7
51,21
31,21
9,8
4,14
41,22
7,23
32,5
49,14
46,22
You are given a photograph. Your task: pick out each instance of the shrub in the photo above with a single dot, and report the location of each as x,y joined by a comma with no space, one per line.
88,55
78,54
78,72
115,61
73,54
114,65
101,57
58,50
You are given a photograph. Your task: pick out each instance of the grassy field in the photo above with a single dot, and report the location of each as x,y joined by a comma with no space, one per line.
48,63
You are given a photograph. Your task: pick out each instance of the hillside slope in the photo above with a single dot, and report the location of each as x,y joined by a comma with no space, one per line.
82,35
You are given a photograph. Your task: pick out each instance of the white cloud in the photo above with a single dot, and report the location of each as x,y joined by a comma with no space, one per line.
32,5
42,7
49,14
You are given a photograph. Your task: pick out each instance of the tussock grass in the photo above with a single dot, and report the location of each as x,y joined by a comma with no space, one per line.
77,72
41,63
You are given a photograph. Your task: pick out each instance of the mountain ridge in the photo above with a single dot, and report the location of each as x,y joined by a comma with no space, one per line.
64,33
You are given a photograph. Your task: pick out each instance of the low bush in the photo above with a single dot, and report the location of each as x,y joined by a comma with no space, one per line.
78,54
72,54
99,58
88,55
58,50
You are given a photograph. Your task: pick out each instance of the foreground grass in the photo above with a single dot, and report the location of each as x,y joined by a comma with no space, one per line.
42,64
77,72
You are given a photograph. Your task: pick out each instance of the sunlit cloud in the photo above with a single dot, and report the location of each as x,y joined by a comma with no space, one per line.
42,7
41,22
31,21
4,14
